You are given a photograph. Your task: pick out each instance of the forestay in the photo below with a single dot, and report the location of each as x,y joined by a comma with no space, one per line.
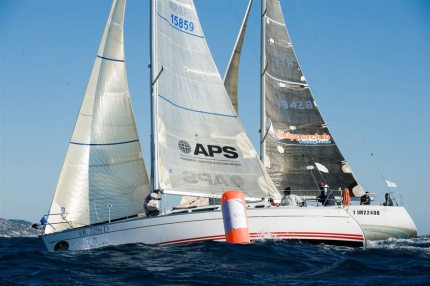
201,147
103,176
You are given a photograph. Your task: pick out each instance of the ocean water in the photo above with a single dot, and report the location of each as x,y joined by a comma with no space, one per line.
24,261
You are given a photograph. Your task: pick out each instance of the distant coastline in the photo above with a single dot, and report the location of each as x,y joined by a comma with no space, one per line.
16,228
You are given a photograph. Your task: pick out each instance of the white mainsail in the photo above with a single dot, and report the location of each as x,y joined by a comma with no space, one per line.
103,176
201,148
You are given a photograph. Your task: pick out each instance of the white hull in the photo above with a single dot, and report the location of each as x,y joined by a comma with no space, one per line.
381,222
330,226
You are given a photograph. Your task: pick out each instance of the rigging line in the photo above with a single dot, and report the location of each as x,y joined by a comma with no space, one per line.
339,89
158,75
309,159
314,179
263,171
265,134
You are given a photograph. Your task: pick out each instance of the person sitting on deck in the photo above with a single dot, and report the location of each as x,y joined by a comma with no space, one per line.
326,197
365,199
290,200
388,201
151,203
272,202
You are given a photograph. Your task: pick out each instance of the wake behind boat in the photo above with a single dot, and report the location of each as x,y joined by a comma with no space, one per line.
297,148
199,148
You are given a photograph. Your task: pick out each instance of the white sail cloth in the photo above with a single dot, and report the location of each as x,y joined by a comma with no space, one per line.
103,175
202,148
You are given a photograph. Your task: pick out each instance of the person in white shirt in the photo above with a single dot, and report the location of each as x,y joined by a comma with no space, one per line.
290,200
151,203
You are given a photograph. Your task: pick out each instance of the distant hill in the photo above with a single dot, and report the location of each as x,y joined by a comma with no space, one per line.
16,227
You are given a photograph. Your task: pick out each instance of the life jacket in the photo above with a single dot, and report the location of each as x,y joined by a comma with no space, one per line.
346,197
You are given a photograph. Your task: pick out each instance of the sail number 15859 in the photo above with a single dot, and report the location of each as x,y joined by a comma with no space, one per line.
181,23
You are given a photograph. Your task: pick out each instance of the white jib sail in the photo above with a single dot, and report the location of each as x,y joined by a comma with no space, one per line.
103,175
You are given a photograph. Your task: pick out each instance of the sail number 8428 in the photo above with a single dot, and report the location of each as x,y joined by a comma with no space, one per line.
283,104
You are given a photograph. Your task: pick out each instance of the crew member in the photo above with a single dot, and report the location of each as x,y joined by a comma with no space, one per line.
151,203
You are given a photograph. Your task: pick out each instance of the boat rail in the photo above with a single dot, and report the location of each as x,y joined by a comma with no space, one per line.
44,221
396,197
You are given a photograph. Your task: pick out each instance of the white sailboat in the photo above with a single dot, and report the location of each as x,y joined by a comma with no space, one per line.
297,148
200,149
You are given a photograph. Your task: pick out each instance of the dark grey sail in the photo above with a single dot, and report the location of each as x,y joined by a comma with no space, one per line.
297,148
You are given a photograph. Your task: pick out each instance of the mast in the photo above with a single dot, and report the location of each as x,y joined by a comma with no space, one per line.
262,85
153,90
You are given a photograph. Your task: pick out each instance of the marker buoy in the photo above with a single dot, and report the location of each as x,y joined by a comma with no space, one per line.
235,217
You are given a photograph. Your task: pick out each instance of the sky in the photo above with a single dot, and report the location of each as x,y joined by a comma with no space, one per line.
367,63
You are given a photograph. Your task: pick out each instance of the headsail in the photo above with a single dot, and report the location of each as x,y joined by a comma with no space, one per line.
201,147
232,72
103,175
297,148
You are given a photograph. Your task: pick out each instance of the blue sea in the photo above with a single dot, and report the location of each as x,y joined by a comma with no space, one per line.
24,261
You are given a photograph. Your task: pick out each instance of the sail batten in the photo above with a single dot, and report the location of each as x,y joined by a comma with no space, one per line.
301,84
198,111
110,59
104,144
276,22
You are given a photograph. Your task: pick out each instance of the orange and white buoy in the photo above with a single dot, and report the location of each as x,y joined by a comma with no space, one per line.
235,217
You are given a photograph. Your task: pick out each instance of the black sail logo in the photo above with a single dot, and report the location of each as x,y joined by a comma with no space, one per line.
208,150
210,155
184,146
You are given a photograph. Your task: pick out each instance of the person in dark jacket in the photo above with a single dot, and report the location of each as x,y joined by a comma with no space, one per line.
326,197
388,201
365,199
151,203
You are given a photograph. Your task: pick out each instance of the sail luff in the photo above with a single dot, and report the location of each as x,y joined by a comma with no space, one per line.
103,176
232,72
